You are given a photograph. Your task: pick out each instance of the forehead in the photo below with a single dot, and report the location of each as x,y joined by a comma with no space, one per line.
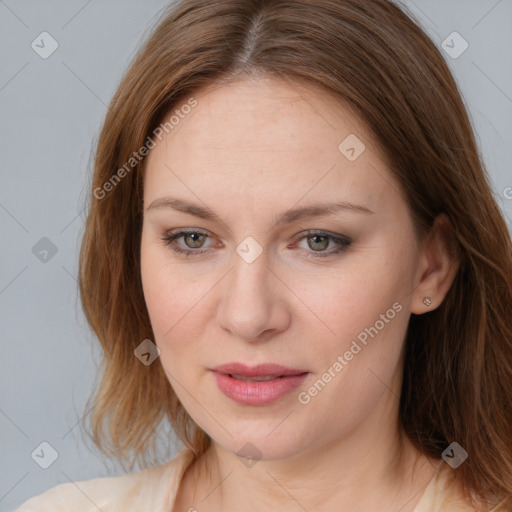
261,138
276,115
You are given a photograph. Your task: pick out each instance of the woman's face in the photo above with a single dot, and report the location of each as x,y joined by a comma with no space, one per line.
328,296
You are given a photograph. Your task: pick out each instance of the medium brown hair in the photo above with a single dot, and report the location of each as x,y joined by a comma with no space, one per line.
373,56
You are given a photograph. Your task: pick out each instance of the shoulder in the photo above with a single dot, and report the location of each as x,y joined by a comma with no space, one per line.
149,489
445,493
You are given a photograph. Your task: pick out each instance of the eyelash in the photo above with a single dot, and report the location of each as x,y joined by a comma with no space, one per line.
342,241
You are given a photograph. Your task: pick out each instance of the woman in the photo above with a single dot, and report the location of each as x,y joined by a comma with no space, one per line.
293,254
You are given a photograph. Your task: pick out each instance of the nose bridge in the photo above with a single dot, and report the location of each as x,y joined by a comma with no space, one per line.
251,303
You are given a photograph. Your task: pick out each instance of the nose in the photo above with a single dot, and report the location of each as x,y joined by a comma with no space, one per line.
254,304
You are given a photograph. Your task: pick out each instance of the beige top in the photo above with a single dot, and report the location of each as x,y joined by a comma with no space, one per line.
154,490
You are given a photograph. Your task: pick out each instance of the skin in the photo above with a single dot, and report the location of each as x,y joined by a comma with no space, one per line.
249,151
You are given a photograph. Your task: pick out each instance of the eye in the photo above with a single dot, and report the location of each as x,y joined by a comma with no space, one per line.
320,240
193,240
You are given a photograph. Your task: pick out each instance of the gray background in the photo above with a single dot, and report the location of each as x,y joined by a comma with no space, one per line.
51,111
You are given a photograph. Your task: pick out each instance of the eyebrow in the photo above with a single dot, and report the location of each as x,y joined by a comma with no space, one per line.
287,217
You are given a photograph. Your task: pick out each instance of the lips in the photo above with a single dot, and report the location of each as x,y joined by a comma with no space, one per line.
257,385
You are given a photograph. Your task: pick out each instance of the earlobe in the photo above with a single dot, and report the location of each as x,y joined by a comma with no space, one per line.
440,257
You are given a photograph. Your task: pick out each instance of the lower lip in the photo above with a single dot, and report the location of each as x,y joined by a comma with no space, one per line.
257,393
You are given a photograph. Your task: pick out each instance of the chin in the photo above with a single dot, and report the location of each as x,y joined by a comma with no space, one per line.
256,444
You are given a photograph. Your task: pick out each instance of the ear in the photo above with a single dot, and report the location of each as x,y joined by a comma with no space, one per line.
438,265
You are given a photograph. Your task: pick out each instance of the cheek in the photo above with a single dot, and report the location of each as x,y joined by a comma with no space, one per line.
355,300
155,295
162,294
369,321
364,316
176,302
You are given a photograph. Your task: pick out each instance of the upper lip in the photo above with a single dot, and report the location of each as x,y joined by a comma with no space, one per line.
260,370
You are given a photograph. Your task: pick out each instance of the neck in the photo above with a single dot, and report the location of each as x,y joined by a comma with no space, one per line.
387,473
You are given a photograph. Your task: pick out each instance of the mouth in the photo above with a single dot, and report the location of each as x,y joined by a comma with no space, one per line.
257,385
262,378
260,372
